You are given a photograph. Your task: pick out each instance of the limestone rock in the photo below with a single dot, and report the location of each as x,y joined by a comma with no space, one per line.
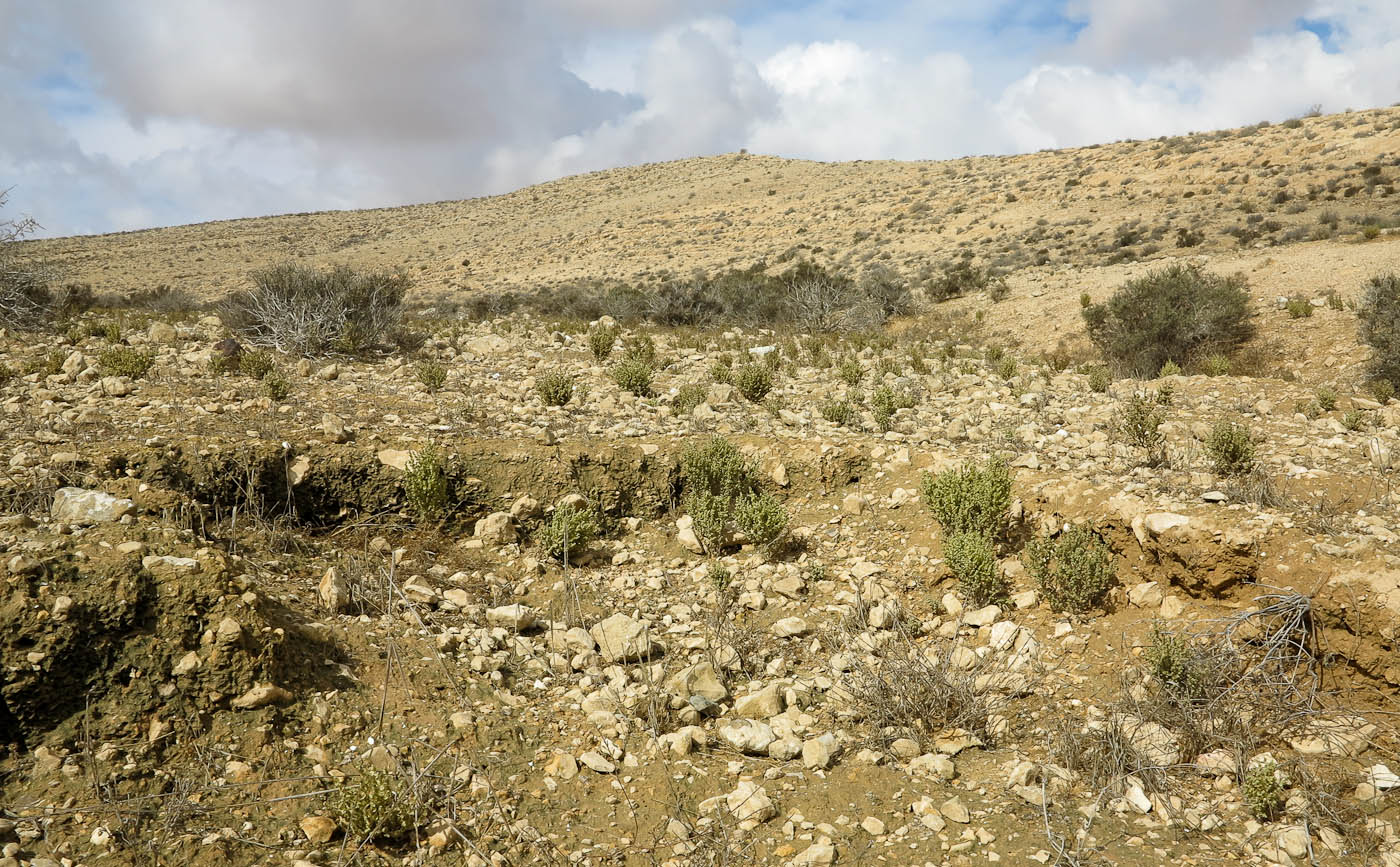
82,506
621,638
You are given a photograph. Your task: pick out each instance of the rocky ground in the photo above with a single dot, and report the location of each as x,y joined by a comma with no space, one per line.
225,629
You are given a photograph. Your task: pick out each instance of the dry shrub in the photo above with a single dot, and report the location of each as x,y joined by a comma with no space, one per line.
298,309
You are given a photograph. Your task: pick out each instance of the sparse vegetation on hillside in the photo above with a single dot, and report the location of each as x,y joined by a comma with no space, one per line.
1379,316
302,310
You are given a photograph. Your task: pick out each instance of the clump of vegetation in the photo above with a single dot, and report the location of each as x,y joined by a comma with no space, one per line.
1176,664
885,401
1356,419
1326,397
425,484
555,388
26,302
722,371
973,561
1074,571
634,375
970,499
125,361
431,375
761,518
688,397
717,479
850,371
1178,312
106,329
299,309
601,340
1262,792
377,806
1378,316
255,364
1099,378
841,412
1139,424
276,385
1169,368
1216,365
1230,448
568,532
962,278
754,381
1298,308
640,348
1383,390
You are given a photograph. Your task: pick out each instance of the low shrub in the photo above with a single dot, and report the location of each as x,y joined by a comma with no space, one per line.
973,562
850,371
377,806
841,412
567,533
1177,312
1139,424
601,340
425,484
431,375
255,364
687,398
970,499
1262,792
761,517
634,375
1099,378
1298,308
1378,316
299,309
1074,570
555,388
125,361
1230,448
276,385
754,381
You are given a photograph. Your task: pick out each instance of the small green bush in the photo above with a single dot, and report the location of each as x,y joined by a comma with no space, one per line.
1099,378
970,499
687,398
634,375
431,375
754,381
1383,390
640,348
425,484
1178,312
1006,367
555,388
276,385
841,412
1378,316
601,340
973,562
1230,449
567,533
106,329
851,371
1262,792
1169,368
1326,397
717,467
1074,571
722,371
761,517
125,361
1356,419
1299,308
1216,365
710,515
377,806
1139,423
1177,665
256,364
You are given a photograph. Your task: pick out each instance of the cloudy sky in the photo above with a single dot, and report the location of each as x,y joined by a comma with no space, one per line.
122,114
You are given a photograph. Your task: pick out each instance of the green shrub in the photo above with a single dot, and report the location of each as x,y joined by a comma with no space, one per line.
1299,308
1370,232
754,381
1099,378
1169,368
761,517
1006,367
256,364
1177,665
961,278
431,375
568,532
687,398
1383,390
1177,312
1378,315
377,806
299,309
717,467
973,562
555,388
1216,365
1356,419
1139,423
276,385
1262,792
850,371
633,375
640,348
710,515
841,412
601,340
722,371
425,484
1074,571
1326,397
1230,449
970,499
106,329
125,361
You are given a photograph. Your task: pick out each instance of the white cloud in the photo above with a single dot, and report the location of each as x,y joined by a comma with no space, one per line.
1143,32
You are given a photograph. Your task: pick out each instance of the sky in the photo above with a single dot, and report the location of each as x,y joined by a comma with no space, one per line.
140,113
